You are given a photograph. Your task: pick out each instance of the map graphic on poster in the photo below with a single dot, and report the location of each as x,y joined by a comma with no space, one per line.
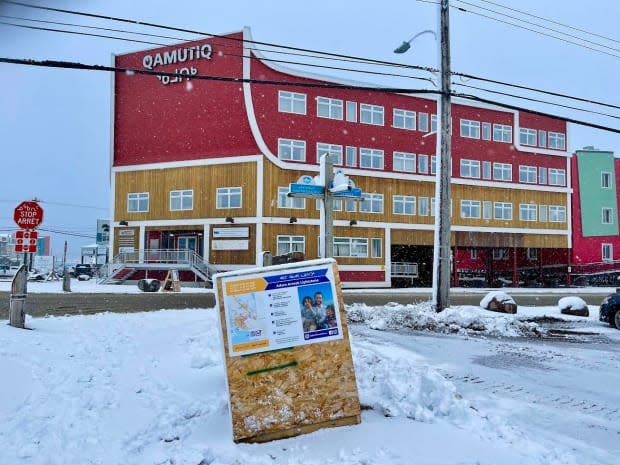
280,309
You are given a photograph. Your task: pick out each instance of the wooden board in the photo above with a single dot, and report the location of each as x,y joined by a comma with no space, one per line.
172,282
287,392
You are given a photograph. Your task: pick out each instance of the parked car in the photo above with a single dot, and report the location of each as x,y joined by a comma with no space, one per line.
83,269
609,311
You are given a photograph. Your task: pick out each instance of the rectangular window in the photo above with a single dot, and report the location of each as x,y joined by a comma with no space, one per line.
557,140
486,131
542,175
291,102
470,208
433,164
404,119
542,213
423,206
500,254
288,244
502,211
607,216
336,205
423,164
351,156
284,201
350,247
542,138
527,136
527,212
433,209
328,108
371,114
502,171
470,129
433,123
557,214
350,205
470,168
486,170
486,209
289,149
527,174
607,252
372,203
403,205
371,158
138,202
376,249
334,151
228,197
423,122
606,180
502,133
404,161
557,177
352,112
532,254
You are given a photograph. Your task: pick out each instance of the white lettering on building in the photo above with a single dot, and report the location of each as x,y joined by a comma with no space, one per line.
177,56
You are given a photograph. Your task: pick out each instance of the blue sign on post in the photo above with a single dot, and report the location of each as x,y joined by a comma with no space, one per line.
305,190
354,193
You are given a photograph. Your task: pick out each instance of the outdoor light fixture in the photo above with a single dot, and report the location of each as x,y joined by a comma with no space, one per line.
105,227
124,223
230,219
352,222
292,220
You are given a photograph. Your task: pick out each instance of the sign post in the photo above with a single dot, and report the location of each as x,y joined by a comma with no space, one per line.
28,215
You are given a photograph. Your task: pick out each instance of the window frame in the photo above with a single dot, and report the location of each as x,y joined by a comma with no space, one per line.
293,97
289,202
469,168
375,199
334,108
469,128
295,146
373,155
138,199
471,209
504,208
528,208
528,174
334,150
291,242
503,168
554,175
404,158
228,192
502,133
402,116
373,113
528,137
404,201
607,252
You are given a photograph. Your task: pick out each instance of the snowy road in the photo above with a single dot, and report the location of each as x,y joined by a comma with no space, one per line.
564,393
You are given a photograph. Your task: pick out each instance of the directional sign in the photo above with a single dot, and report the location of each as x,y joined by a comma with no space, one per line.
354,193
305,190
28,215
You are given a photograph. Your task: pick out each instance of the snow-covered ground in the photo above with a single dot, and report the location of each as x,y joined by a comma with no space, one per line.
466,386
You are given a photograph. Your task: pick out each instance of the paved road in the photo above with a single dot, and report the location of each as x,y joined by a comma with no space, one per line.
77,303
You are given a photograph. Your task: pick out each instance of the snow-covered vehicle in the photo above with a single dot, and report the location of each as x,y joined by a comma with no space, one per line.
609,311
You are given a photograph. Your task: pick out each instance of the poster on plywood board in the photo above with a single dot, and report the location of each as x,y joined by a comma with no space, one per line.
287,352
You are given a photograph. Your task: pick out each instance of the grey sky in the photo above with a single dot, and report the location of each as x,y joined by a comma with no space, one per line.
55,124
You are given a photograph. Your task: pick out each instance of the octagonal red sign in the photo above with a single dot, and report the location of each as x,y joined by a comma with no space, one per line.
28,215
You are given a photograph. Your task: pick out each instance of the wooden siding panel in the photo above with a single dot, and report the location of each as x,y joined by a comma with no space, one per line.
237,257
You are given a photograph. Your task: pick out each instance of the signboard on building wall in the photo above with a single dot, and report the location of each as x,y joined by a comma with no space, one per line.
231,232
230,244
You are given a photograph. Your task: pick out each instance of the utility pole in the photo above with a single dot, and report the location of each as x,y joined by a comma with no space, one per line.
441,253
327,209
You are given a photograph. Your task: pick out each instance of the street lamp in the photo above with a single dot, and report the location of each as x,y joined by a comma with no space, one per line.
441,252
402,48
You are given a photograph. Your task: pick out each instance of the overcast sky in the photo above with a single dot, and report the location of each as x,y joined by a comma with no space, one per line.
55,123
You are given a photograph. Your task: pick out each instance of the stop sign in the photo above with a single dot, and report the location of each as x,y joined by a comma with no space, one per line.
28,215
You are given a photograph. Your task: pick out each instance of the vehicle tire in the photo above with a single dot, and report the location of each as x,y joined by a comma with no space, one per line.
614,319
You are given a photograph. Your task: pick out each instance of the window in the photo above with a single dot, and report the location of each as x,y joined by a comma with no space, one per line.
336,205
502,133
606,180
289,149
502,211
376,249
350,247
423,164
423,206
542,213
556,140
607,216
328,108
433,209
351,156
486,170
334,151
423,122
527,174
433,123
433,164
607,252
542,175
138,202
557,177
372,203
284,201
371,114
557,214
228,197
470,129
404,161
350,205
291,102
181,200
532,254
502,171
527,212
470,209
404,119
542,138
403,205
486,209
371,158
500,254
352,112
470,168
288,244
527,136
486,131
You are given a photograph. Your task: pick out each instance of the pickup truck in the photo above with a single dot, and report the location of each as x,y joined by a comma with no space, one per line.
609,311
